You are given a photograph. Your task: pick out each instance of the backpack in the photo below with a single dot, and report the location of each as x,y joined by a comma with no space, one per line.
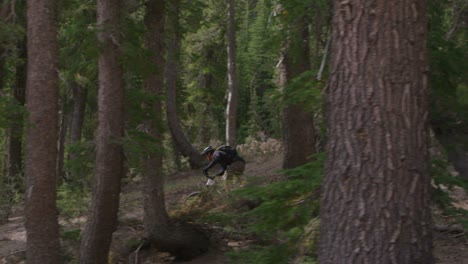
230,151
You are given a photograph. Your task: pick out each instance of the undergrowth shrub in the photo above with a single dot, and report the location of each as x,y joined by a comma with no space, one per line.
261,149
285,210
71,202
256,255
444,183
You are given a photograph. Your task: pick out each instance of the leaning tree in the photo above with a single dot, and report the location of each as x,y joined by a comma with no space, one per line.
102,216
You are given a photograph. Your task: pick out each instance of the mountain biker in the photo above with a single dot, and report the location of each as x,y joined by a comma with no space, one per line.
227,157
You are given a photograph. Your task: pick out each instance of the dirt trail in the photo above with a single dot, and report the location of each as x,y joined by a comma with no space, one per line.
449,247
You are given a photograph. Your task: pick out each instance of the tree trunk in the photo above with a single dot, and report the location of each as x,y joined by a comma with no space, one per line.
180,240
78,111
63,128
182,143
42,227
102,217
375,202
156,219
233,90
76,123
15,158
5,9
297,122
207,83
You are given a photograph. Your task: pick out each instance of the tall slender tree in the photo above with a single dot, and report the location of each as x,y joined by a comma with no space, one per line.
5,14
15,146
181,240
42,228
233,89
156,219
181,142
375,202
102,216
297,122
79,95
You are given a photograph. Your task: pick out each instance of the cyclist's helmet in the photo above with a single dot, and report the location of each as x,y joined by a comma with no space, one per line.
207,150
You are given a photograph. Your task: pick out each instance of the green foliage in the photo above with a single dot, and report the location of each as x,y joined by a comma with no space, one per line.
443,183
286,208
10,34
305,90
77,39
257,56
71,202
10,110
275,254
447,57
81,166
72,235
205,67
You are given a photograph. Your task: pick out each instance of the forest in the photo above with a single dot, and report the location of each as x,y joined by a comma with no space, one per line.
349,119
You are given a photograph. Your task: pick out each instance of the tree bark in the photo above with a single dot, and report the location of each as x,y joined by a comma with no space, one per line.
375,201
181,142
180,240
156,219
233,90
42,227
297,122
102,216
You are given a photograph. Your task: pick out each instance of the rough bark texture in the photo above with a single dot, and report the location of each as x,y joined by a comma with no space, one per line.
42,228
181,240
375,202
156,218
297,123
102,217
180,140
233,90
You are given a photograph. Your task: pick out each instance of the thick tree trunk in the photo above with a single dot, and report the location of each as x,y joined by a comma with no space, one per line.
375,202
297,122
233,90
42,227
102,217
180,240
180,140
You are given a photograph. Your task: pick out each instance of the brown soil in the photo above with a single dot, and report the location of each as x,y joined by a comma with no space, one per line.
450,246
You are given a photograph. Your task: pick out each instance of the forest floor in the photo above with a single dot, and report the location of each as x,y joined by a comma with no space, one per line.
450,246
